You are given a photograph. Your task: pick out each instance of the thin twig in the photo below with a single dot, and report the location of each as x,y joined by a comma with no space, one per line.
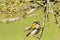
56,20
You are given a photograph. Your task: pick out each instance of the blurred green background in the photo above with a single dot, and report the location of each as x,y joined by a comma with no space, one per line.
15,30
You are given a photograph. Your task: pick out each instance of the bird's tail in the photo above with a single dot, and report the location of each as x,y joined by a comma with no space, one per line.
28,34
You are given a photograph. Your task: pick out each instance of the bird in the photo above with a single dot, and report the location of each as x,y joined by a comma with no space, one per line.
35,28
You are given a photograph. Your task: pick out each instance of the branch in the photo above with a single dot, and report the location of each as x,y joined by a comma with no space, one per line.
56,20
37,37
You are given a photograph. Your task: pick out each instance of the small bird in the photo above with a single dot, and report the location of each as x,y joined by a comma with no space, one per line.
35,28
